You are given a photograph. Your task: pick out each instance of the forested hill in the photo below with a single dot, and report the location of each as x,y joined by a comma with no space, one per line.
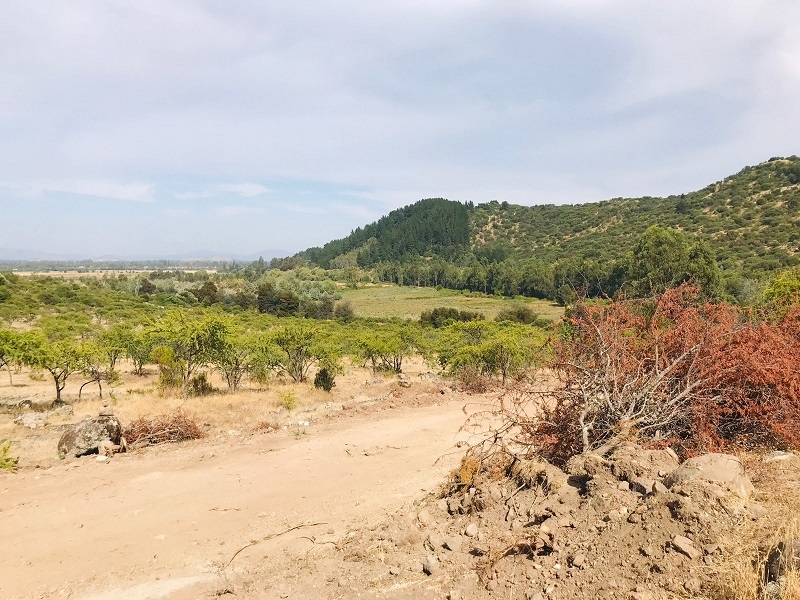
430,227
751,220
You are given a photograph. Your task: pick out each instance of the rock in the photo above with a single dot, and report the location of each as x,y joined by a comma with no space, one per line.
757,510
442,505
106,411
107,447
425,518
454,595
403,380
685,546
454,506
62,411
453,543
435,541
85,436
692,586
431,565
430,376
32,420
394,571
723,469
642,486
492,585
778,456
659,488
578,560
471,530
624,486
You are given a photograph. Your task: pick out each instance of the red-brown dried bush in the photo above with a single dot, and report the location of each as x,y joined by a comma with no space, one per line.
177,426
673,368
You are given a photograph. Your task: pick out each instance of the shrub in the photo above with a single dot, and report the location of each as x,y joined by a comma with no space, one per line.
7,462
199,385
177,426
324,379
444,315
288,400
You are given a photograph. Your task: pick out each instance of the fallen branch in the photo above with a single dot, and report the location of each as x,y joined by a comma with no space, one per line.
269,537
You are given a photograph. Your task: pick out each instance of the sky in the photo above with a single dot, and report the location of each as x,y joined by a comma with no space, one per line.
163,127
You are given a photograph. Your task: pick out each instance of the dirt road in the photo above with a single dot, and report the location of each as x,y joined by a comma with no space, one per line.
158,523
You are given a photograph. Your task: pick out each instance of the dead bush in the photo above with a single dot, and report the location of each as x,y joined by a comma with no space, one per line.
267,426
177,426
674,368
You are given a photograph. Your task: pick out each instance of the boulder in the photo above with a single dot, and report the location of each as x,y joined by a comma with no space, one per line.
722,469
85,437
32,420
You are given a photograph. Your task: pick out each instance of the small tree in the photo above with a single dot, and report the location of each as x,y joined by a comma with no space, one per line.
301,346
60,358
192,340
387,349
9,350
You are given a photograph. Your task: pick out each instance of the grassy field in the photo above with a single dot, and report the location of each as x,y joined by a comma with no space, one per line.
386,300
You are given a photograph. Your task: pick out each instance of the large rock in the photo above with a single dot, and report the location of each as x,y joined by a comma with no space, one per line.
85,437
722,469
32,420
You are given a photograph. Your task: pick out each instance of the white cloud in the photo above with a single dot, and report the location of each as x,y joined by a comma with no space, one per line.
245,190
132,192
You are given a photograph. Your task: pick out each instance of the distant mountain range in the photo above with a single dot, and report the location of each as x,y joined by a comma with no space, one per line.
751,220
16,254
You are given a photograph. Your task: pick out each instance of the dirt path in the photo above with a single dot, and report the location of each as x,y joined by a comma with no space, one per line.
157,523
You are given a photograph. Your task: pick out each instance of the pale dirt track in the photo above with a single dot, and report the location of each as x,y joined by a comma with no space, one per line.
159,523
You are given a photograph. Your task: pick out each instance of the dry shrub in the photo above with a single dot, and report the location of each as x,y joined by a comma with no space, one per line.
176,426
465,474
267,426
674,368
473,381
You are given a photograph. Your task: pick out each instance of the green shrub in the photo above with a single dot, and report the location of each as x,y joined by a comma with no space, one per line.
324,379
199,385
7,462
288,400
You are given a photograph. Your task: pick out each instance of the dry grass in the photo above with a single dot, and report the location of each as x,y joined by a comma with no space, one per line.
739,575
135,398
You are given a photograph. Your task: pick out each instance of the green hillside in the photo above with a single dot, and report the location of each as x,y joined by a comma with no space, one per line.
728,235
751,219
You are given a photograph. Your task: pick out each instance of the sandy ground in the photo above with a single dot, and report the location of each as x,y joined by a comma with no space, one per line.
162,522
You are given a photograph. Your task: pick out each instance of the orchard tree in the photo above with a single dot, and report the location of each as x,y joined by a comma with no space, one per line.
95,365
61,357
9,350
301,346
386,349
186,341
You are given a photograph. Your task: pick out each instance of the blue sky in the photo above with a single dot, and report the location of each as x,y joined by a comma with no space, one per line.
160,127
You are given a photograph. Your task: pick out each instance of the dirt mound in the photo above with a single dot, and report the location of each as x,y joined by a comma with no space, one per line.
607,527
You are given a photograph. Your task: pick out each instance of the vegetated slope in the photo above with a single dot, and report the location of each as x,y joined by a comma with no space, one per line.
751,219
433,226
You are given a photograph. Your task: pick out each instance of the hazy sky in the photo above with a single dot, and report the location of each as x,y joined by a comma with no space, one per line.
166,126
